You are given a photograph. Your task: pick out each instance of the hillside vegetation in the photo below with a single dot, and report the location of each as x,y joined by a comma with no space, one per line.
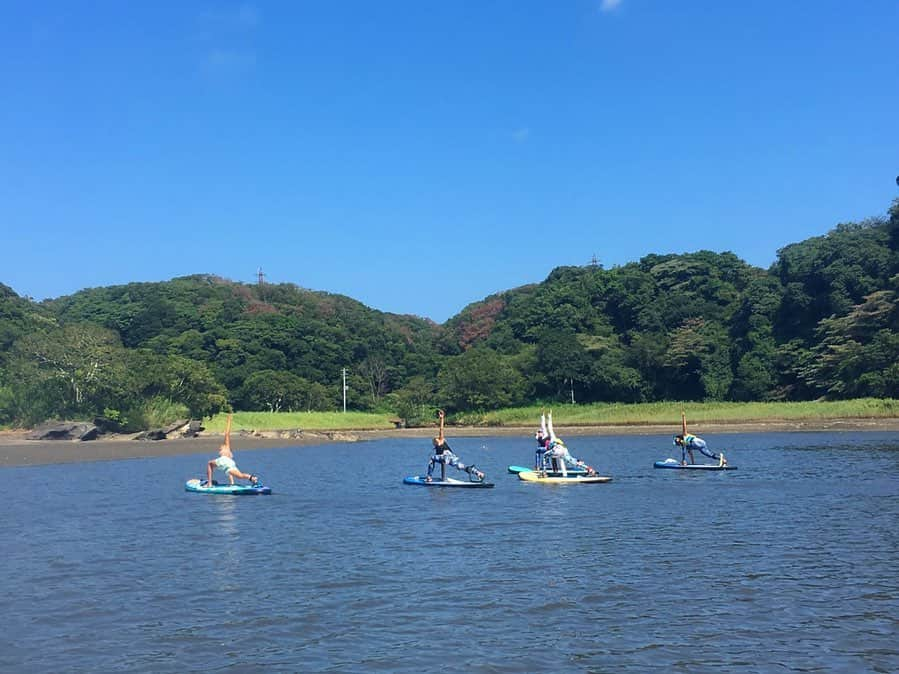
821,323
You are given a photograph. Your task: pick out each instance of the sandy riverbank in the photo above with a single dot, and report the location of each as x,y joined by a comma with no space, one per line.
15,450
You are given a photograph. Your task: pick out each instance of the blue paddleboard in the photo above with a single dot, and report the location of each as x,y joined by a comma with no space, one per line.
200,487
420,481
676,465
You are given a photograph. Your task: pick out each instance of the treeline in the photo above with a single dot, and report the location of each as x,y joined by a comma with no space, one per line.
823,321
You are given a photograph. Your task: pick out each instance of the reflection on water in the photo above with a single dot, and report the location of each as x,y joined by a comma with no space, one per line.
223,525
787,564
226,511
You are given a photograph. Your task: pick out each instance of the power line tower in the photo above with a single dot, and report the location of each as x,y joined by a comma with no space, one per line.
593,261
260,282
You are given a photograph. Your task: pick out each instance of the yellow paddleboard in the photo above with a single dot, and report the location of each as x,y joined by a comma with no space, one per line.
534,476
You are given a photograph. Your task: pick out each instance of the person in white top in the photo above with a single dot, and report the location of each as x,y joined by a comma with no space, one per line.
225,461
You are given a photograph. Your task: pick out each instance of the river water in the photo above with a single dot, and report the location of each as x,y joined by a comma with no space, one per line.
790,563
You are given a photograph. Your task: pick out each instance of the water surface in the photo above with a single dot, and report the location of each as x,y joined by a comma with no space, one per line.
787,564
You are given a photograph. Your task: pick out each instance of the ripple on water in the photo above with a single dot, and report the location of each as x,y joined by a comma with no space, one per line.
785,565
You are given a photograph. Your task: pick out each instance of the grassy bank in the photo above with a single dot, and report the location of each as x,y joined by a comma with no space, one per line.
669,413
307,421
665,413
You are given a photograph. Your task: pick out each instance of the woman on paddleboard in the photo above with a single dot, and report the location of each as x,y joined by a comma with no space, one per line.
444,456
688,442
556,454
225,461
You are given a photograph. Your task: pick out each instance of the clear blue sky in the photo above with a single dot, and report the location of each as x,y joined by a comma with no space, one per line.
419,156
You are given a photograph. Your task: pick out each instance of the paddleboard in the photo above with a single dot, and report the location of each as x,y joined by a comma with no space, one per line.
448,482
515,470
676,465
533,476
200,487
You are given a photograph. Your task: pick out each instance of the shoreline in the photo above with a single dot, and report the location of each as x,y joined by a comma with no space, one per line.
15,450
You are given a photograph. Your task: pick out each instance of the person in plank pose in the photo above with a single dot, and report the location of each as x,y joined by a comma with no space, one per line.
444,456
556,455
225,461
688,443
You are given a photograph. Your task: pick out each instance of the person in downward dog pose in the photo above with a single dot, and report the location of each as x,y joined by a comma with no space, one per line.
444,456
225,462
556,456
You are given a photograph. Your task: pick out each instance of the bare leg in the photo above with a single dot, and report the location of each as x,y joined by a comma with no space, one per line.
209,468
234,472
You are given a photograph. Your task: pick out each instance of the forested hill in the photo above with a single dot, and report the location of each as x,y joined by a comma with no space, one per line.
207,343
822,321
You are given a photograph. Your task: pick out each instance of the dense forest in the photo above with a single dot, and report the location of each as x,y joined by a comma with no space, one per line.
822,322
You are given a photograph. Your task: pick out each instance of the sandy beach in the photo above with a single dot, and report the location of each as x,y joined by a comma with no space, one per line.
16,450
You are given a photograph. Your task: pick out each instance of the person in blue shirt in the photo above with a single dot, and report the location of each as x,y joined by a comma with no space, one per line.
688,443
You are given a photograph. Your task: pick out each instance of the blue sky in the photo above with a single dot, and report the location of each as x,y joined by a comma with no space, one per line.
419,156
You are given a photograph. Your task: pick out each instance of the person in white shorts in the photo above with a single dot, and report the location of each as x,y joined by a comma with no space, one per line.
225,461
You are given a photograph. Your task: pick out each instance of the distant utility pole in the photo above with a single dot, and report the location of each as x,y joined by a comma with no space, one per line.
344,390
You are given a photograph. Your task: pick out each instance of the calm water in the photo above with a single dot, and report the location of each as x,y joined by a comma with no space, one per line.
790,563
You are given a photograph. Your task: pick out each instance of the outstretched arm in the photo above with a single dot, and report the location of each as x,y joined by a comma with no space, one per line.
549,424
227,442
442,415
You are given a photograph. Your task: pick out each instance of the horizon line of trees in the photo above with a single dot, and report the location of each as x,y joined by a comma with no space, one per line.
821,322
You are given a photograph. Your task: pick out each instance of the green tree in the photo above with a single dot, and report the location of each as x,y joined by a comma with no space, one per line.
81,366
479,379
825,276
858,354
562,361
376,373
414,403
273,390
698,361
179,380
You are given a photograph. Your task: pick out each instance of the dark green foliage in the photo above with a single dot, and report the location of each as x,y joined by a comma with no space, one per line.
223,341
823,321
479,379
415,402
826,276
280,391
562,361
858,354
698,361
